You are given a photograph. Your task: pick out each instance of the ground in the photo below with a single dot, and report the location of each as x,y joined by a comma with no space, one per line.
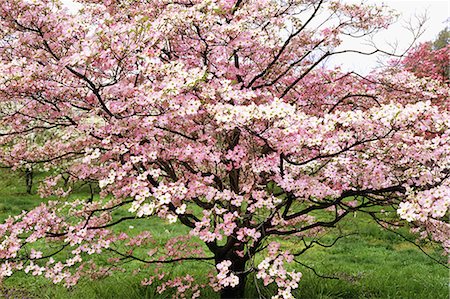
370,264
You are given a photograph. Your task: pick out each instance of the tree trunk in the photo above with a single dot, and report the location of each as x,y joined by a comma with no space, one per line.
233,293
91,193
66,180
29,179
238,268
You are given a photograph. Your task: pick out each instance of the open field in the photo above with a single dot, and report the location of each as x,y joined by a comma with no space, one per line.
370,264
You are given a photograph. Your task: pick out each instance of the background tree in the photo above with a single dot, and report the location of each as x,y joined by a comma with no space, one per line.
442,40
431,59
218,115
25,168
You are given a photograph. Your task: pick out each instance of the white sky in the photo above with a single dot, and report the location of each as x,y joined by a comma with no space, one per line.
437,12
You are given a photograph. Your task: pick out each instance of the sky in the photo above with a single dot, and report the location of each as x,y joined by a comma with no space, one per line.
436,11
438,15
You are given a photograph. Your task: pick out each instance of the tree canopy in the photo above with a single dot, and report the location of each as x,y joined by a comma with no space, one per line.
219,115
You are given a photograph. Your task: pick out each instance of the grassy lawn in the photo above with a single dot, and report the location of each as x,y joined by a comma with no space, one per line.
370,264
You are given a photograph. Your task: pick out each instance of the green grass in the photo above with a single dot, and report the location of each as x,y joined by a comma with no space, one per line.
371,264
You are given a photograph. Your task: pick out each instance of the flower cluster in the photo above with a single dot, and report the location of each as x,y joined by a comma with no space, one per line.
425,204
204,112
204,231
226,277
272,269
241,115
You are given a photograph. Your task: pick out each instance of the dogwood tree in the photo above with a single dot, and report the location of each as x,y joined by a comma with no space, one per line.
434,62
217,115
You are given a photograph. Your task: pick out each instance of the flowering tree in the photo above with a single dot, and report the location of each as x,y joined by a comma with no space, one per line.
428,62
218,115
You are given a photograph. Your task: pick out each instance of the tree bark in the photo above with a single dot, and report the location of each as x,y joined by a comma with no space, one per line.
233,293
29,179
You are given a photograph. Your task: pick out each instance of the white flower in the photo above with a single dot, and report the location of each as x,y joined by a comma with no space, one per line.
147,209
135,159
103,183
264,264
234,280
181,209
134,206
172,218
165,198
